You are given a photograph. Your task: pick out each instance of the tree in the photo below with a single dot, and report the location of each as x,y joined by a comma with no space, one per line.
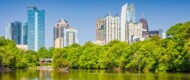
59,58
43,53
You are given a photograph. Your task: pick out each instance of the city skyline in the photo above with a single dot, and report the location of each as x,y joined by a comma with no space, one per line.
158,15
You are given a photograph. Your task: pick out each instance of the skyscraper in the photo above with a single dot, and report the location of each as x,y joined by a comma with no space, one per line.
127,15
36,28
64,34
13,31
71,36
144,27
24,34
133,32
100,29
107,29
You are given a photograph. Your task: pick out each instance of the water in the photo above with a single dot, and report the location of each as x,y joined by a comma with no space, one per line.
90,75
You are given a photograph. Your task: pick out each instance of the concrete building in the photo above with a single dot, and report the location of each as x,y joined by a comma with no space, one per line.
64,34
134,32
107,29
144,27
71,36
156,32
100,30
23,47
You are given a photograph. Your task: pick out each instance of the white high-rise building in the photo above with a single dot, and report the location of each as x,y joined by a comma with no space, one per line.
134,32
71,36
107,29
64,34
127,15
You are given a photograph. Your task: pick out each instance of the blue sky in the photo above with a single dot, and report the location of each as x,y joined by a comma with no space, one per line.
83,14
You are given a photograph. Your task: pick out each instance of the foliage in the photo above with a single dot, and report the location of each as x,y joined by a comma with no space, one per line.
12,57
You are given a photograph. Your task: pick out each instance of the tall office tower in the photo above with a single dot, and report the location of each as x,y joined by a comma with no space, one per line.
36,28
134,32
127,15
100,31
64,34
108,29
144,27
13,31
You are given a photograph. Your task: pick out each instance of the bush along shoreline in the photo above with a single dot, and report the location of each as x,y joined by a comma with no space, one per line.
155,54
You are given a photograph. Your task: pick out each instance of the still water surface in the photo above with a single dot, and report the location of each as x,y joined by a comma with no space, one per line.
90,75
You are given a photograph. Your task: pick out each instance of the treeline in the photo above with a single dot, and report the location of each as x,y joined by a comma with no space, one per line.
154,54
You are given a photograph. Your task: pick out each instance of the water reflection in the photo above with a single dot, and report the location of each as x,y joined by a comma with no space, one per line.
89,75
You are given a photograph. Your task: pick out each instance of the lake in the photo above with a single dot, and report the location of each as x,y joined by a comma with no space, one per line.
90,75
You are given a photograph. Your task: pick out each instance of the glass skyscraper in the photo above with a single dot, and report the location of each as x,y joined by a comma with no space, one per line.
24,33
127,15
17,31
36,28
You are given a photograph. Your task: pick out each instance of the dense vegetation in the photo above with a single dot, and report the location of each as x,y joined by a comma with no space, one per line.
13,57
154,54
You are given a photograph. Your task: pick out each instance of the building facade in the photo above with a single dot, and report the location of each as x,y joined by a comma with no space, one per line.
71,36
134,32
64,34
17,31
144,27
156,32
107,29
24,34
127,15
36,28
100,30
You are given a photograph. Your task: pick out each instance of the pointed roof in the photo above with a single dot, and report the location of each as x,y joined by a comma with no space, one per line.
62,23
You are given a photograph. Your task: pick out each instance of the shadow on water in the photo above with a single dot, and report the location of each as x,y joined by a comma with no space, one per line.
90,75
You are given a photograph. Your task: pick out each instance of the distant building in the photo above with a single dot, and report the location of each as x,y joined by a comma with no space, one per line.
156,32
107,29
24,34
71,36
36,28
127,15
144,27
134,32
64,34
23,47
16,31
100,30
163,35
13,31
